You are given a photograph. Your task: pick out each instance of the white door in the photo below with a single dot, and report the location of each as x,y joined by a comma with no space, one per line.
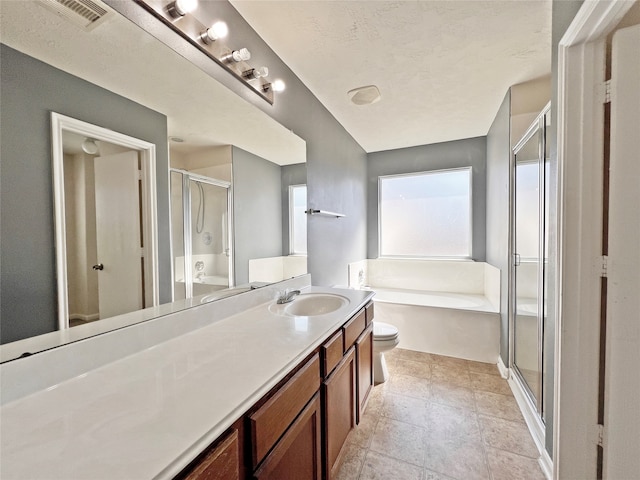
119,261
622,395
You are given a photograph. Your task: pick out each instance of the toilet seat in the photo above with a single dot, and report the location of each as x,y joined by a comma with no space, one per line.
384,331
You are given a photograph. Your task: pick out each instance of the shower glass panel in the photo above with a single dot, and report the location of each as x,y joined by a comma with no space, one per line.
177,235
201,234
209,236
529,247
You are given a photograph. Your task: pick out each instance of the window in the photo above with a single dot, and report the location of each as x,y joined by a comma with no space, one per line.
426,214
298,219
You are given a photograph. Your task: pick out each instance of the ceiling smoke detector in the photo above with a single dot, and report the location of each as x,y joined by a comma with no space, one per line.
86,14
364,95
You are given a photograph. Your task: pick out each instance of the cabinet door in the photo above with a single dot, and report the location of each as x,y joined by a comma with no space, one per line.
297,455
364,359
221,463
339,392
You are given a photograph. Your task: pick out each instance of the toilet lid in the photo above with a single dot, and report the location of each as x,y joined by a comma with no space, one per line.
384,331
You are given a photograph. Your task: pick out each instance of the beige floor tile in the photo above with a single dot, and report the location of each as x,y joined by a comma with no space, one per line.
488,368
406,409
489,383
460,460
453,395
407,385
362,434
454,375
452,424
412,368
352,460
498,405
399,440
451,361
431,475
508,435
509,466
414,355
381,467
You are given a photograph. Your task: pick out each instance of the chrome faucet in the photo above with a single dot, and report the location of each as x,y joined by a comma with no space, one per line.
287,296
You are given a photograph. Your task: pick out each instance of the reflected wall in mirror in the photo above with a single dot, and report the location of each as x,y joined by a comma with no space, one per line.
98,77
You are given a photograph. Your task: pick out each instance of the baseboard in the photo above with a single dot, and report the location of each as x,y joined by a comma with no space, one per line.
504,371
534,423
546,464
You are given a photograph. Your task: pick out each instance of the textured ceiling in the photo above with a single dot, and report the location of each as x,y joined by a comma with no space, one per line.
442,67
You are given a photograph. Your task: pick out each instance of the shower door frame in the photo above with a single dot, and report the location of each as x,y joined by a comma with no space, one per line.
187,225
536,405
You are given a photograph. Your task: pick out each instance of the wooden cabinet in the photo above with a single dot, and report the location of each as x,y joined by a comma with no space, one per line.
298,430
273,418
222,462
364,361
339,394
297,455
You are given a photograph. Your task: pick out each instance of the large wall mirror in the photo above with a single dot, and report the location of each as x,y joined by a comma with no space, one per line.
119,78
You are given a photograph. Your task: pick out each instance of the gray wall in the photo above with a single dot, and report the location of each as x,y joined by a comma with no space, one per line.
290,175
336,164
257,211
563,12
460,153
31,90
498,199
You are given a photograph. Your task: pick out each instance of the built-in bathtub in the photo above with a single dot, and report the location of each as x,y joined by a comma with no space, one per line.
443,307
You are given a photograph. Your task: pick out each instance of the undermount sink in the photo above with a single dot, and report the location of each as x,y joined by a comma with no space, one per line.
312,304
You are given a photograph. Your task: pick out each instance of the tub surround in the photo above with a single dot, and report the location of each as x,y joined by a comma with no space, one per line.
443,307
177,393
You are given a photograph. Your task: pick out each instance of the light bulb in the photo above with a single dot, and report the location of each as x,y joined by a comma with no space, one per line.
278,85
214,32
255,73
179,8
241,55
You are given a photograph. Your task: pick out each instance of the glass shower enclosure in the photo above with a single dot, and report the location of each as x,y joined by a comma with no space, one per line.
201,234
530,249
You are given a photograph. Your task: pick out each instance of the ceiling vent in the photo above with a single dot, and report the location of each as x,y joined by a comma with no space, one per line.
87,14
364,95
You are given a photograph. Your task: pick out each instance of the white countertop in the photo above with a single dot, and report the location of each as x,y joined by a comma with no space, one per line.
148,415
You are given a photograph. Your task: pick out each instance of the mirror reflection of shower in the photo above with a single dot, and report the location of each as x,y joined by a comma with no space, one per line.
201,214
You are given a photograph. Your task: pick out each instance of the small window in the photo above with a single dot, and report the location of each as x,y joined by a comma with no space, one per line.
426,214
298,219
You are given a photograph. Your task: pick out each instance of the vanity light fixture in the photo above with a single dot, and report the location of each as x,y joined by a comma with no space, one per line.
241,55
181,17
180,8
215,32
255,73
276,86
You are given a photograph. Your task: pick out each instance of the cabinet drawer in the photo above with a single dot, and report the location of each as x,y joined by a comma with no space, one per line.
353,328
271,420
298,453
332,351
369,313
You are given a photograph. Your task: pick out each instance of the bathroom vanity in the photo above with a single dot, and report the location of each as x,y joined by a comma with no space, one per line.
258,392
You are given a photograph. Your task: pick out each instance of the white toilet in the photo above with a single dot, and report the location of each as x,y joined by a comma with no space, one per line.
385,338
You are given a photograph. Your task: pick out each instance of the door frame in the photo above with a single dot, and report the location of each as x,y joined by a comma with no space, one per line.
60,123
581,64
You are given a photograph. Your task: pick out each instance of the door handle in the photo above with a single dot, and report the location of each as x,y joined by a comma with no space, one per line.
98,267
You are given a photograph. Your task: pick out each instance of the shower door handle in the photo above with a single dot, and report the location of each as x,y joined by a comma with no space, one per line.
98,267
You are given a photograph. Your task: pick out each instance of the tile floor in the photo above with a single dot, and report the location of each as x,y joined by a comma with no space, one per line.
440,418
